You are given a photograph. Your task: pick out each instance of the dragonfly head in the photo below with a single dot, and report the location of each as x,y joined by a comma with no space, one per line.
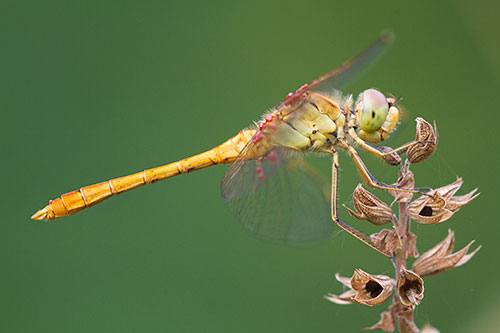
376,114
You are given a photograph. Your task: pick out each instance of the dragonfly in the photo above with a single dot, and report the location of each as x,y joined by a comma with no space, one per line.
274,193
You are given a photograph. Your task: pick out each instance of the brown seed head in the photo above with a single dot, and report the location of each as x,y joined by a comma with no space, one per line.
440,258
410,288
405,181
371,289
427,139
440,204
364,289
429,210
370,207
386,240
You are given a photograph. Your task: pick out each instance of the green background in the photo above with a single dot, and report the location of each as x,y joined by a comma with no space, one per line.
91,90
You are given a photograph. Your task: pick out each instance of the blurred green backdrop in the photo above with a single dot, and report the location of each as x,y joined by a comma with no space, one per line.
92,90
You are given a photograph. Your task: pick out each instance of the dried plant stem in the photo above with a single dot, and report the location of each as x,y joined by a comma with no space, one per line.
403,229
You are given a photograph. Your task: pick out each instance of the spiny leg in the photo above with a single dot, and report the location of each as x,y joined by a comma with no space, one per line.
359,235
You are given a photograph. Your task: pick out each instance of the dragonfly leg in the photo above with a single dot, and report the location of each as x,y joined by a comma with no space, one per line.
335,217
400,150
374,151
371,181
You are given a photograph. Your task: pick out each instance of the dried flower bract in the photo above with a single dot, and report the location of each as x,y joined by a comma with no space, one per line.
405,181
429,209
386,323
387,240
455,202
371,289
427,139
410,326
342,299
440,258
346,297
440,204
364,289
370,207
410,288
411,248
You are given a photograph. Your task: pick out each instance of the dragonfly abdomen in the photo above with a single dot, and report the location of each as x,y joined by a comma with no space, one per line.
75,201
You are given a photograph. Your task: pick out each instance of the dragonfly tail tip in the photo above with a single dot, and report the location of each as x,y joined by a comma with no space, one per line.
42,214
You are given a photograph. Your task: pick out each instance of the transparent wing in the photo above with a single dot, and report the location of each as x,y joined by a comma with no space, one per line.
279,197
341,75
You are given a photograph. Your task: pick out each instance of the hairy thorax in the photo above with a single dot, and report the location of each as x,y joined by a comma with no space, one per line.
313,123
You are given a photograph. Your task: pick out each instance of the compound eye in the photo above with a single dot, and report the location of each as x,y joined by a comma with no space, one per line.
373,108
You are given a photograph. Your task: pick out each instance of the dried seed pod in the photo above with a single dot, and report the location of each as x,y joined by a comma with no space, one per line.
370,207
389,241
386,240
364,289
440,258
429,209
386,323
440,204
371,289
392,159
427,138
410,288
405,181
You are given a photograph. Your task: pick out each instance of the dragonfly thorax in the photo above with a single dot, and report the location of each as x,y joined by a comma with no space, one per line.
313,123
